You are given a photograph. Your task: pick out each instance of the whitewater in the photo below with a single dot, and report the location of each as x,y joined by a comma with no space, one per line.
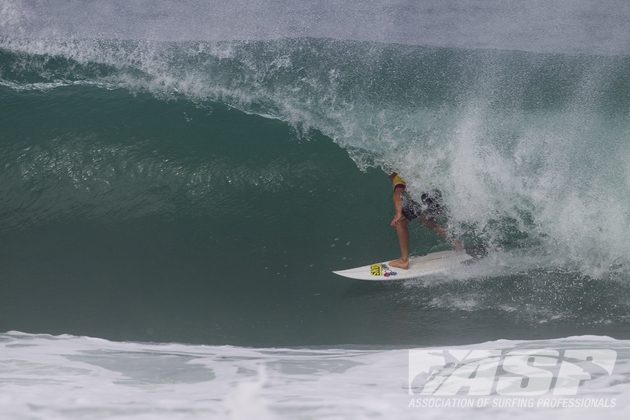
60,377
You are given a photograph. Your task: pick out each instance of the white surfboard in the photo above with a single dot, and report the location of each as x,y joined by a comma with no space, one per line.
435,263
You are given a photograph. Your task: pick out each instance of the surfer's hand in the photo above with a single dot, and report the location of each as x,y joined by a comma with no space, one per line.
397,218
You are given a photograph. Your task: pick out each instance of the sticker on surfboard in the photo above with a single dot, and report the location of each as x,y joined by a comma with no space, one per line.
381,269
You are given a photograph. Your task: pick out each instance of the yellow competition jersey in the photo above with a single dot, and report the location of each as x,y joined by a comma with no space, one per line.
398,181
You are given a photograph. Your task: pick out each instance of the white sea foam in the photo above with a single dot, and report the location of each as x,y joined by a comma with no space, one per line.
68,377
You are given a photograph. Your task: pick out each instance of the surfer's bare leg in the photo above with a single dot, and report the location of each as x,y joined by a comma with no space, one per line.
402,231
455,243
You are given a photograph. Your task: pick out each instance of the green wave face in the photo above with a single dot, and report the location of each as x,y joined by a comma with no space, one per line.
523,145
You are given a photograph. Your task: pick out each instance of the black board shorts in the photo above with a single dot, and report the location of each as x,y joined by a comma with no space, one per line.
430,207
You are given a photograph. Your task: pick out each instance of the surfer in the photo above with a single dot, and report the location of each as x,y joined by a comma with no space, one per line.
406,209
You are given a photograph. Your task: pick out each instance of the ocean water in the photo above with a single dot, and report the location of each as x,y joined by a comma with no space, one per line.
191,172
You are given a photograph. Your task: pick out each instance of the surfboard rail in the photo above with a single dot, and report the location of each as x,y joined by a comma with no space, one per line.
419,266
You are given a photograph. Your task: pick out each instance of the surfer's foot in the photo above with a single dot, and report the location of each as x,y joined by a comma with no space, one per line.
400,263
458,246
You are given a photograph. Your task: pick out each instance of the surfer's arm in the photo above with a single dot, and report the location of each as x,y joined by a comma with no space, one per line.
398,204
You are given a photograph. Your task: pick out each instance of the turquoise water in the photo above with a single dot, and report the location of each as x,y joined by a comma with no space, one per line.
160,189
